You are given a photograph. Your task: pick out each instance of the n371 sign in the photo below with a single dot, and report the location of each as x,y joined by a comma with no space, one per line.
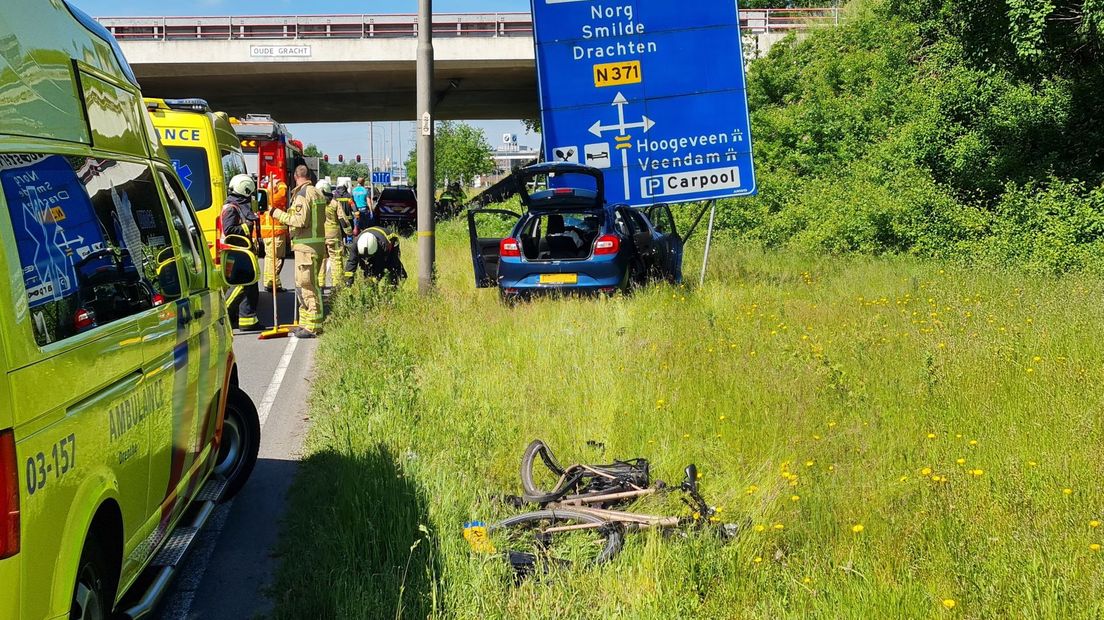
650,91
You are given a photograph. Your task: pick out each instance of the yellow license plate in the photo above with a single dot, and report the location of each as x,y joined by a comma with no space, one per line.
559,278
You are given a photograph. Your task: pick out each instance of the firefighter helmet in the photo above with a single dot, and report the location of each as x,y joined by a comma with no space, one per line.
367,245
243,185
323,185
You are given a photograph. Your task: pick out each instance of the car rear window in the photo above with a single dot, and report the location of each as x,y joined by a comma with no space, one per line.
560,234
191,166
398,195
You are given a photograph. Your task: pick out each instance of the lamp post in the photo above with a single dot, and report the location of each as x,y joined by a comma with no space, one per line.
426,242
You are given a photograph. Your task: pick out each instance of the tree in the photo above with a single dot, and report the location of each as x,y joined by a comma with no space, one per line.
324,167
460,152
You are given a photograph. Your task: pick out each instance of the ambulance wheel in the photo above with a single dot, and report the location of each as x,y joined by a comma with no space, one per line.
241,440
94,593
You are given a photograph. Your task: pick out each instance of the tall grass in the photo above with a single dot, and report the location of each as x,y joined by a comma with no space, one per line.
955,415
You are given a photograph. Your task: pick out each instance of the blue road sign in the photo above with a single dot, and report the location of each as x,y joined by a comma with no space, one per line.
650,91
381,178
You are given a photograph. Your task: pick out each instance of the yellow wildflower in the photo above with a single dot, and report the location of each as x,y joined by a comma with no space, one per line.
1067,491
926,471
794,498
960,461
1094,523
757,559
1095,547
779,526
949,603
760,528
858,527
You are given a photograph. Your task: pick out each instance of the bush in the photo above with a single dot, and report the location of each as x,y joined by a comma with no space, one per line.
935,128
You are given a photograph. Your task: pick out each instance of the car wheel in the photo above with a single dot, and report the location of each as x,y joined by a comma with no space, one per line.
240,443
634,276
93,594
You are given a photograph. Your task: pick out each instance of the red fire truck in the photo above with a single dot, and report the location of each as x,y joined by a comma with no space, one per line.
271,155
270,152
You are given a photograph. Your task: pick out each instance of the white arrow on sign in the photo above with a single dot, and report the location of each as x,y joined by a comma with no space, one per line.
645,123
622,128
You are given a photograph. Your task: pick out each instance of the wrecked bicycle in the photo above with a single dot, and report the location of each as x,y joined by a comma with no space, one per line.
577,521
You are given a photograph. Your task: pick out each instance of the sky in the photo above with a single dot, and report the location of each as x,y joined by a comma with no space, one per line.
333,138
144,8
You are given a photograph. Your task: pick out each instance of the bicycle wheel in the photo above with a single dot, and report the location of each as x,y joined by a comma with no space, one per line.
528,534
532,484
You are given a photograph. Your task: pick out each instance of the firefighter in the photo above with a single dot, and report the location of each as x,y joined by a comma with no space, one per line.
377,255
305,220
238,218
338,225
275,235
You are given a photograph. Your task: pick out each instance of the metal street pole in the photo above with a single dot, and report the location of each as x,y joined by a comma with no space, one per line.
372,156
426,247
708,241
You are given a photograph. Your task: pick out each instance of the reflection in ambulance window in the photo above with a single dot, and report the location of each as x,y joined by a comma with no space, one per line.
88,232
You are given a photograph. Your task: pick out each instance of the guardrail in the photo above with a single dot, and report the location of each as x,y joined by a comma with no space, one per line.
399,25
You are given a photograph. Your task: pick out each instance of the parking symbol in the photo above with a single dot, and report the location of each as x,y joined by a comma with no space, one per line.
597,154
566,154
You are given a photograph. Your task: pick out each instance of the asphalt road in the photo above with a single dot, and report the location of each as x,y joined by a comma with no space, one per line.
232,563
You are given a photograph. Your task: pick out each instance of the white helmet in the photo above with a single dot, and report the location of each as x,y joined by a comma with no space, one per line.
323,185
243,185
367,245
344,183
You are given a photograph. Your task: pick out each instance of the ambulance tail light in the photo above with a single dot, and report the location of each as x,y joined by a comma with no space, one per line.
9,496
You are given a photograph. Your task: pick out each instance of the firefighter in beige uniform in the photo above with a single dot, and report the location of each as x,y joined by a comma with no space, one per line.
306,220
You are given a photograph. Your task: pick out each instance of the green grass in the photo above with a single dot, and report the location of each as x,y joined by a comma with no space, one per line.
812,392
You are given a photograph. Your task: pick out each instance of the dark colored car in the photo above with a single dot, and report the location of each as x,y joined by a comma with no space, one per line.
398,207
569,239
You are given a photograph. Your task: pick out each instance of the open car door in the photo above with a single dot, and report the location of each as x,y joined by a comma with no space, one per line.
671,245
487,228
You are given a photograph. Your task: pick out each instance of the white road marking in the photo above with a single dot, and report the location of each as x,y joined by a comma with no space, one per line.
277,378
181,607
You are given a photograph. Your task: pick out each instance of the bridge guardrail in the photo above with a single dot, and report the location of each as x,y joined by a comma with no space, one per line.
400,25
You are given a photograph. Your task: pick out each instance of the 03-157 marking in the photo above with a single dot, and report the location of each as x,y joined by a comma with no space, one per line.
617,73
64,454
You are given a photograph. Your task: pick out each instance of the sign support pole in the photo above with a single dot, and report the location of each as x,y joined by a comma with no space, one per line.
372,155
708,240
426,246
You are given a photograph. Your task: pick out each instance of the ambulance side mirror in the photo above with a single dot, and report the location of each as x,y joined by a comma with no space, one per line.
238,266
168,276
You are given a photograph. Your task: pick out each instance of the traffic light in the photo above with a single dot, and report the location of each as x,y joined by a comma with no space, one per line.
340,158
358,158
326,158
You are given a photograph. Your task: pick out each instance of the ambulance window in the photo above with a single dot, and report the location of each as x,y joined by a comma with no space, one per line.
191,166
188,231
233,164
90,234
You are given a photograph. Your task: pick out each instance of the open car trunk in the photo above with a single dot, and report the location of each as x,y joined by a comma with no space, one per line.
561,235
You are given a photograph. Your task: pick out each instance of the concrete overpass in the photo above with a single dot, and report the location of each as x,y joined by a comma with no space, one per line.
362,67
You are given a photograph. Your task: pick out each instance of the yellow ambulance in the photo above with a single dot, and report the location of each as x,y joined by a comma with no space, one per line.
121,419
205,152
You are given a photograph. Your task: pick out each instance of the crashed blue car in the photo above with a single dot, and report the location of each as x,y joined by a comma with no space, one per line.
569,239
